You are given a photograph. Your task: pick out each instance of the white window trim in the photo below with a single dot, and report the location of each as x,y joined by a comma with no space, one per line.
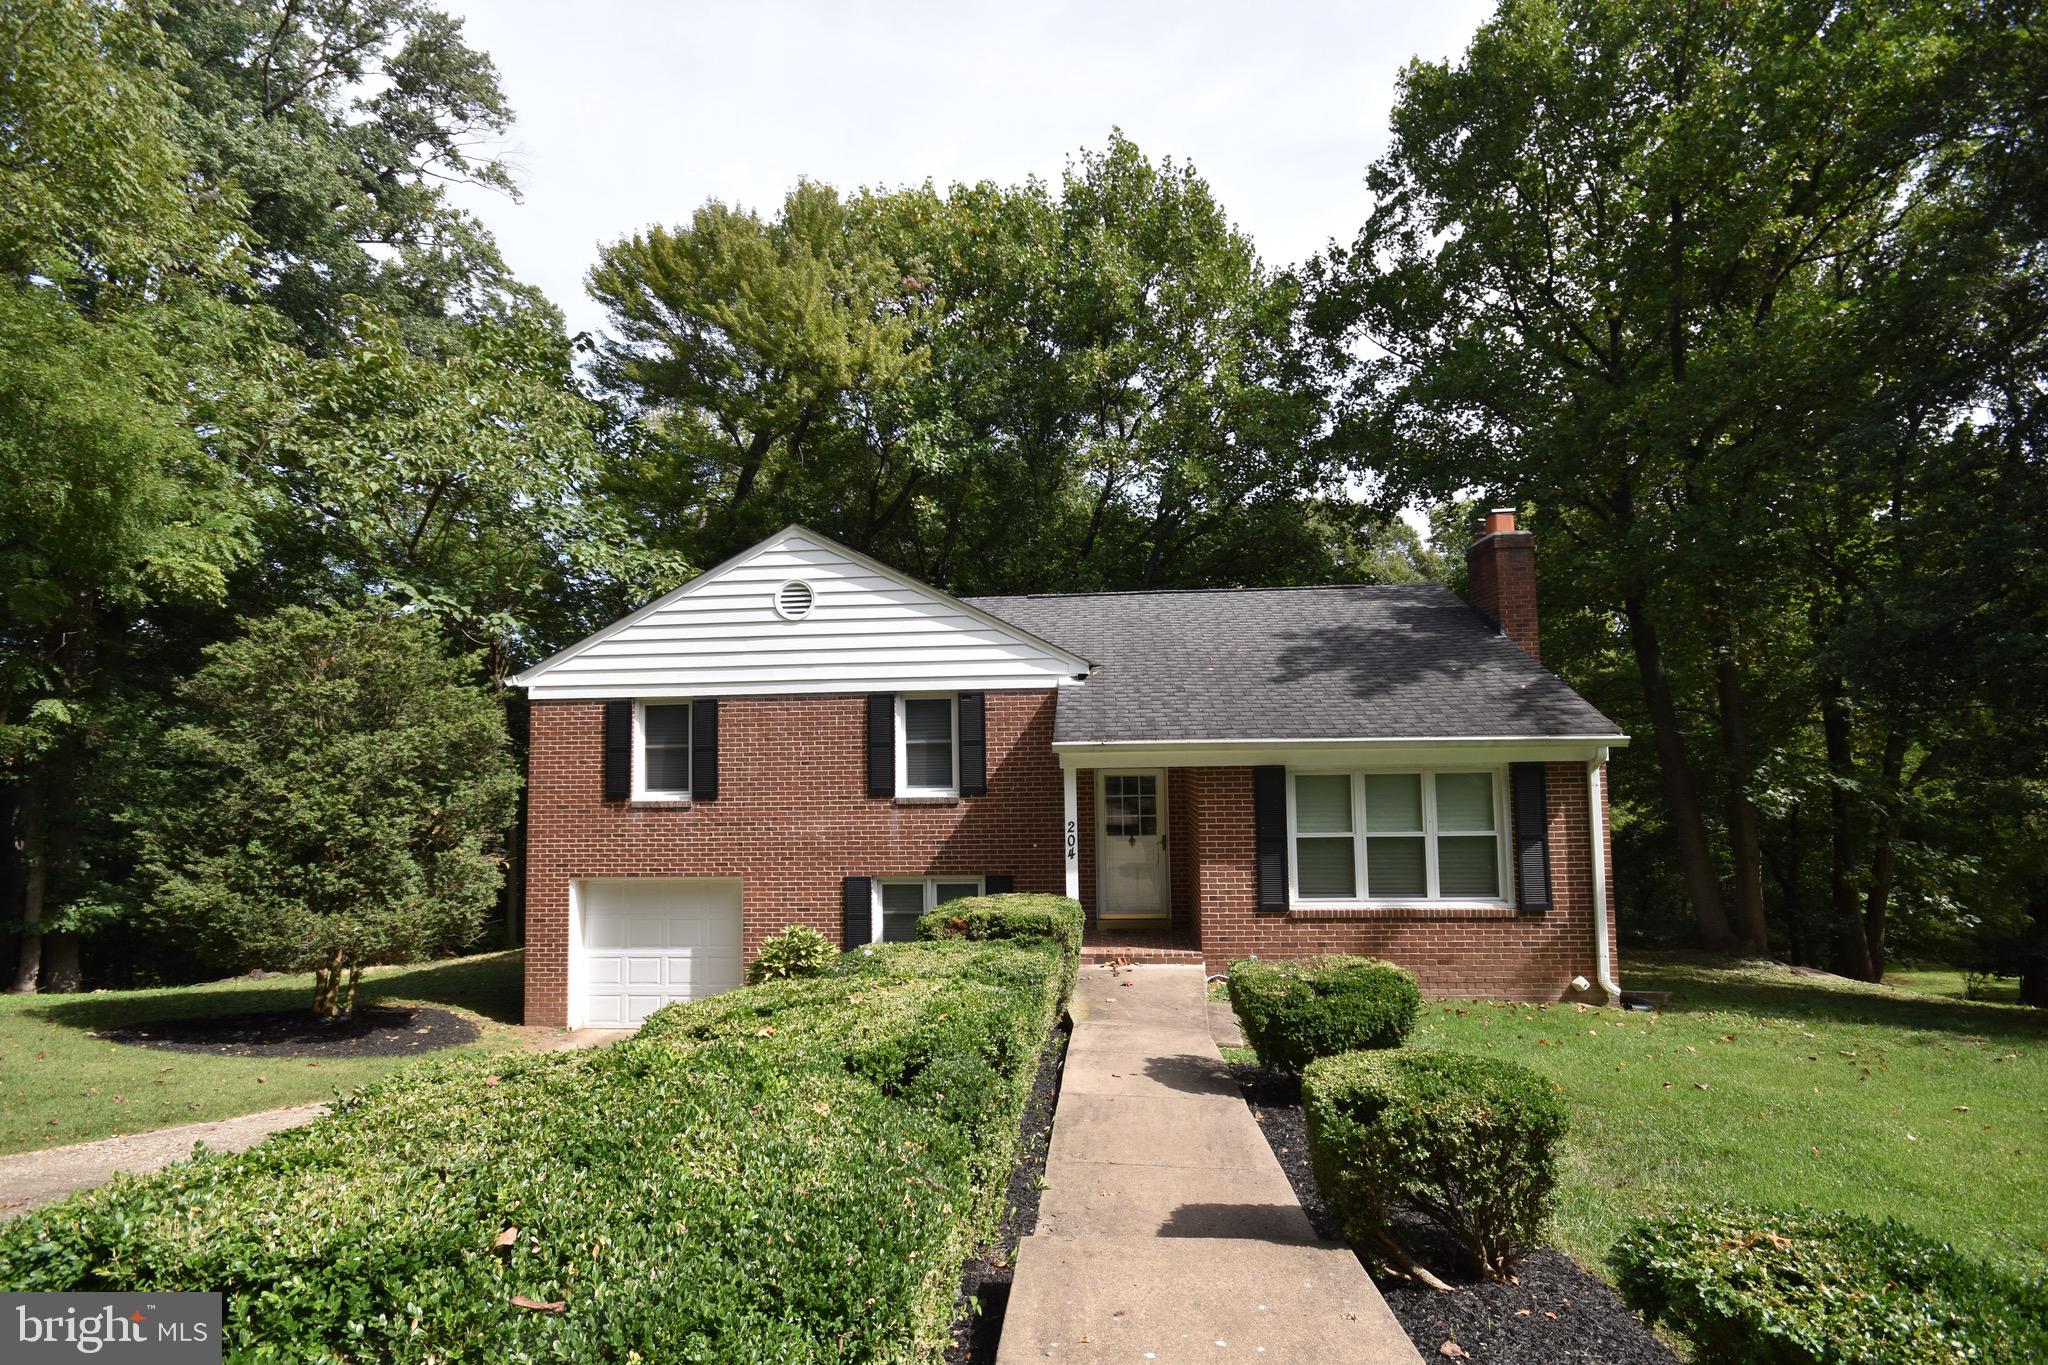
641,791
1503,874
931,896
903,787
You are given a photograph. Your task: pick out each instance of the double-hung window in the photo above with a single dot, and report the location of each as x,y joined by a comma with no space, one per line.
661,768
1396,837
899,901
927,746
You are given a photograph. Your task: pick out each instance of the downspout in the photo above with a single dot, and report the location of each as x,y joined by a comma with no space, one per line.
1596,822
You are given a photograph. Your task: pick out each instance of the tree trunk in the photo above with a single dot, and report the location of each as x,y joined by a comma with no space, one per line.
1745,845
28,844
61,975
2034,959
1884,860
1686,821
1852,949
327,985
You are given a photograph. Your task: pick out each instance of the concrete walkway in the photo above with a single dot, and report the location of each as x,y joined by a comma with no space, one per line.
1168,1231
29,1180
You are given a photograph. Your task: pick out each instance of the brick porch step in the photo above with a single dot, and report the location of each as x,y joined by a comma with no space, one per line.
1137,945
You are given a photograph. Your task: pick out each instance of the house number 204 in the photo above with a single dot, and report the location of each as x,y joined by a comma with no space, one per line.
1073,840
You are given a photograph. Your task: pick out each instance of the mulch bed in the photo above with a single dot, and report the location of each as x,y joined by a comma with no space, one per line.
367,1031
985,1285
1557,1313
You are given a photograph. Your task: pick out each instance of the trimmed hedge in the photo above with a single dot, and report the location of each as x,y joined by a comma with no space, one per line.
1793,1287
1296,1010
1014,916
1469,1142
795,1171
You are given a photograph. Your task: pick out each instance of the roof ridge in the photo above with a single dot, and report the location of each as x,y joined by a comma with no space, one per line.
1191,592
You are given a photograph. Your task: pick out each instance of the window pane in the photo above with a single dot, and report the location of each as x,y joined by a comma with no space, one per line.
668,770
953,891
928,719
902,903
928,765
1393,867
1322,803
1393,801
1464,801
1466,866
665,724
1325,867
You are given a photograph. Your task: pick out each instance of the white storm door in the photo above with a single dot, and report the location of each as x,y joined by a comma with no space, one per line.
1130,845
649,942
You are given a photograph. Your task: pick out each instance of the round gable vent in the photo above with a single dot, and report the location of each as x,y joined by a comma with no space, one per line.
794,599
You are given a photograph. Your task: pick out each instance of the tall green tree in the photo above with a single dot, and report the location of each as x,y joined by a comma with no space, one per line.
1670,273
337,801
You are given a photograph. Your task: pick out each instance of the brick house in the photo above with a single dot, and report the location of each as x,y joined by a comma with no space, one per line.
805,736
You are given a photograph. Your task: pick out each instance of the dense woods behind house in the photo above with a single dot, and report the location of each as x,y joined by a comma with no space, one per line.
1742,306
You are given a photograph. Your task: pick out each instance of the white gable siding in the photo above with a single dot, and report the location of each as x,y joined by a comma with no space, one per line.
869,630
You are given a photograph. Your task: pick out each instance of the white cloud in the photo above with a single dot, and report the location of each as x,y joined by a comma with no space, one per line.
636,113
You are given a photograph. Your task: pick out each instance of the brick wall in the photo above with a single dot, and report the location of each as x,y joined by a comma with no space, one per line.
792,818
1491,952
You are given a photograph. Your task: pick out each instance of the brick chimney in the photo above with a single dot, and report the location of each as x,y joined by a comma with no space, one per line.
1500,577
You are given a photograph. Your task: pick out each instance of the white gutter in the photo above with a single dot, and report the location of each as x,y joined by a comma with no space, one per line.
1596,824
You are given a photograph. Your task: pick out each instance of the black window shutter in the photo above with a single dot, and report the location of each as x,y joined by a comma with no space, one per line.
1269,827
881,744
999,883
704,749
973,744
1532,837
618,750
857,900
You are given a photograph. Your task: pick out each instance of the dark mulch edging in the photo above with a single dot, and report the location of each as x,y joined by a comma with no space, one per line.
367,1031
1557,1313
985,1285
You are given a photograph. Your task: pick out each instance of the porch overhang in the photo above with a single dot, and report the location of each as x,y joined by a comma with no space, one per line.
1234,753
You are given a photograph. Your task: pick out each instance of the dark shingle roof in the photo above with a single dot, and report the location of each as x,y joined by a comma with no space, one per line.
1296,663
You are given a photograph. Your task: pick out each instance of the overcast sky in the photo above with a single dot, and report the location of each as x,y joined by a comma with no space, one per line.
633,112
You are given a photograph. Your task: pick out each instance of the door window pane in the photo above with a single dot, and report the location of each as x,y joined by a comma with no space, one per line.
953,891
665,740
1464,801
1393,867
1393,801
1322,803
1130,804
1467,865
928,742
902,903
1325,867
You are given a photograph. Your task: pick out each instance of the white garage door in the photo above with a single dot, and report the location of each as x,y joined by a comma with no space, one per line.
649,942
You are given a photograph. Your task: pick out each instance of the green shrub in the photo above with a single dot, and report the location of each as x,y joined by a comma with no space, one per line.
1469,1142
1297,1010
1018,916
1792,1287
798,950
794,1171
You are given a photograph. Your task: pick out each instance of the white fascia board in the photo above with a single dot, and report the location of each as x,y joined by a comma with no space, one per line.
561,691
527,678
1335,752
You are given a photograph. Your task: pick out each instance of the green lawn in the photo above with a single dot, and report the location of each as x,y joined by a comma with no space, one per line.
1757,1083
61,1084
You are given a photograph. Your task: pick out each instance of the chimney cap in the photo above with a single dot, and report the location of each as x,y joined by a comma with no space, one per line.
1500,519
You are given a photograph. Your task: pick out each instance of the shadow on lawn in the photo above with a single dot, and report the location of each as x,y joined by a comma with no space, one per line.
1699,983
488,985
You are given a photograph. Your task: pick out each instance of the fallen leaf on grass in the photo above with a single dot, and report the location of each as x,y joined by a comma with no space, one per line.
1962,1109
551,1306
505,1240
1699,1085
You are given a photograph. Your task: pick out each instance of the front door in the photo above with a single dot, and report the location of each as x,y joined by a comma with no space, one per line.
1131,845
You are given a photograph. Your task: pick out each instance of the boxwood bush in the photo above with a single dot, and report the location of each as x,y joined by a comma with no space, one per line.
1779,1286
795,1171
1469,1142
1014,916
1294,1011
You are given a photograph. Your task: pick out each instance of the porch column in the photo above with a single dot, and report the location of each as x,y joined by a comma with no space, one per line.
1070,831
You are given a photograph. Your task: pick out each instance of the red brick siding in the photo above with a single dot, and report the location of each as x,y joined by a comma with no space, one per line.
792,818
1493,952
